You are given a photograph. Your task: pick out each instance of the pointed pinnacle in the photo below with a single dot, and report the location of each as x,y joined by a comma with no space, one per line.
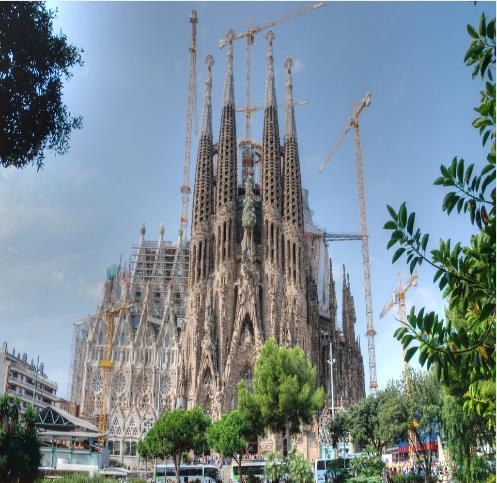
290,131
270,89
206,126
229,89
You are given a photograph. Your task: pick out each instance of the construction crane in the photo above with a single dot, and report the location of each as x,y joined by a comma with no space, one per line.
399,299
249,36
329,237
106,362
353,123
190,111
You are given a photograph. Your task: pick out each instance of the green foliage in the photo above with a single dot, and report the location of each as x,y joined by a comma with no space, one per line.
284,393
229,436
465,432
275,467
33,64
299,468
364,479
20,454
407,479
463,346
338,428
294,467
175,433
367,466
84,478
378,421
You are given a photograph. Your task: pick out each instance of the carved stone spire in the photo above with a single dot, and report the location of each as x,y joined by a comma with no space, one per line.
203,198
270,89
290,131
229,87
348,312
292,185
271,170
206,127
226,168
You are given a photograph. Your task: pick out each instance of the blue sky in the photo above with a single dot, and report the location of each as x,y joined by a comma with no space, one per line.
60,228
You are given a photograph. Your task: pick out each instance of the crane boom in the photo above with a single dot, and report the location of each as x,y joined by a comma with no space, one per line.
249,36
370,330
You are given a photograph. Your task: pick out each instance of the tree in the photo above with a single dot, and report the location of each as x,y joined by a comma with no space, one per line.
299,468
33,64
378,421
20,454
465,433
424,416
230,435
284,391
175,433
463,345
338,428
275,468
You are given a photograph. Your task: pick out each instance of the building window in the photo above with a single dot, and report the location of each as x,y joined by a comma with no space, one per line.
129,448
114,447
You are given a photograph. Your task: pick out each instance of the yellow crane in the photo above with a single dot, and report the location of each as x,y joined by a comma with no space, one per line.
106,364
249,36
399,299
353,123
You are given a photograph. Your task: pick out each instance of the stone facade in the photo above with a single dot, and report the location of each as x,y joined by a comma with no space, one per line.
257,267
253,267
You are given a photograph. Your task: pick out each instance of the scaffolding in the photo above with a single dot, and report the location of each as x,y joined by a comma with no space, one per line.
152,262
78,357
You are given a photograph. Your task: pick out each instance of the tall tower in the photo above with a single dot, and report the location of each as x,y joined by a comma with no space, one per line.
225,212
198,354
271,201
295,326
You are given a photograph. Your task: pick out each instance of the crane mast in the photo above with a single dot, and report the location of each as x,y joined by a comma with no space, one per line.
399,299
353,123
191,109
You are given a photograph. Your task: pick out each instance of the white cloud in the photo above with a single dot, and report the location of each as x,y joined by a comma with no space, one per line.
297,65
56,277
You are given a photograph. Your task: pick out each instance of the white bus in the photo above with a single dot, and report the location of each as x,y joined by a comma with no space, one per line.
196,473
252,470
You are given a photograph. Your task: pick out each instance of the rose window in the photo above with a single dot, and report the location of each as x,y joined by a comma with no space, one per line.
96,383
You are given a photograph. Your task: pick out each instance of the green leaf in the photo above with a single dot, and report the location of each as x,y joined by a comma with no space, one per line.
410,223
471,31
460,170
409,353
469,172
485,137
390,225
424,241
398,254
392,212
403,215
483,25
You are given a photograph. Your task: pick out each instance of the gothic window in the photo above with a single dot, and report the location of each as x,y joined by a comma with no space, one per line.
100,338
96,383
147,424
119,383
132,429
115,429
114,447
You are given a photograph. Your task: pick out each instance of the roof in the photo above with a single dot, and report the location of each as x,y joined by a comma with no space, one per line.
73,434
56,418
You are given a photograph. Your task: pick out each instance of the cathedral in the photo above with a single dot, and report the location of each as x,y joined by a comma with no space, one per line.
257,267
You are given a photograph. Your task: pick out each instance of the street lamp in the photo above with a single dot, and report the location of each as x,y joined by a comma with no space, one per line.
331,361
